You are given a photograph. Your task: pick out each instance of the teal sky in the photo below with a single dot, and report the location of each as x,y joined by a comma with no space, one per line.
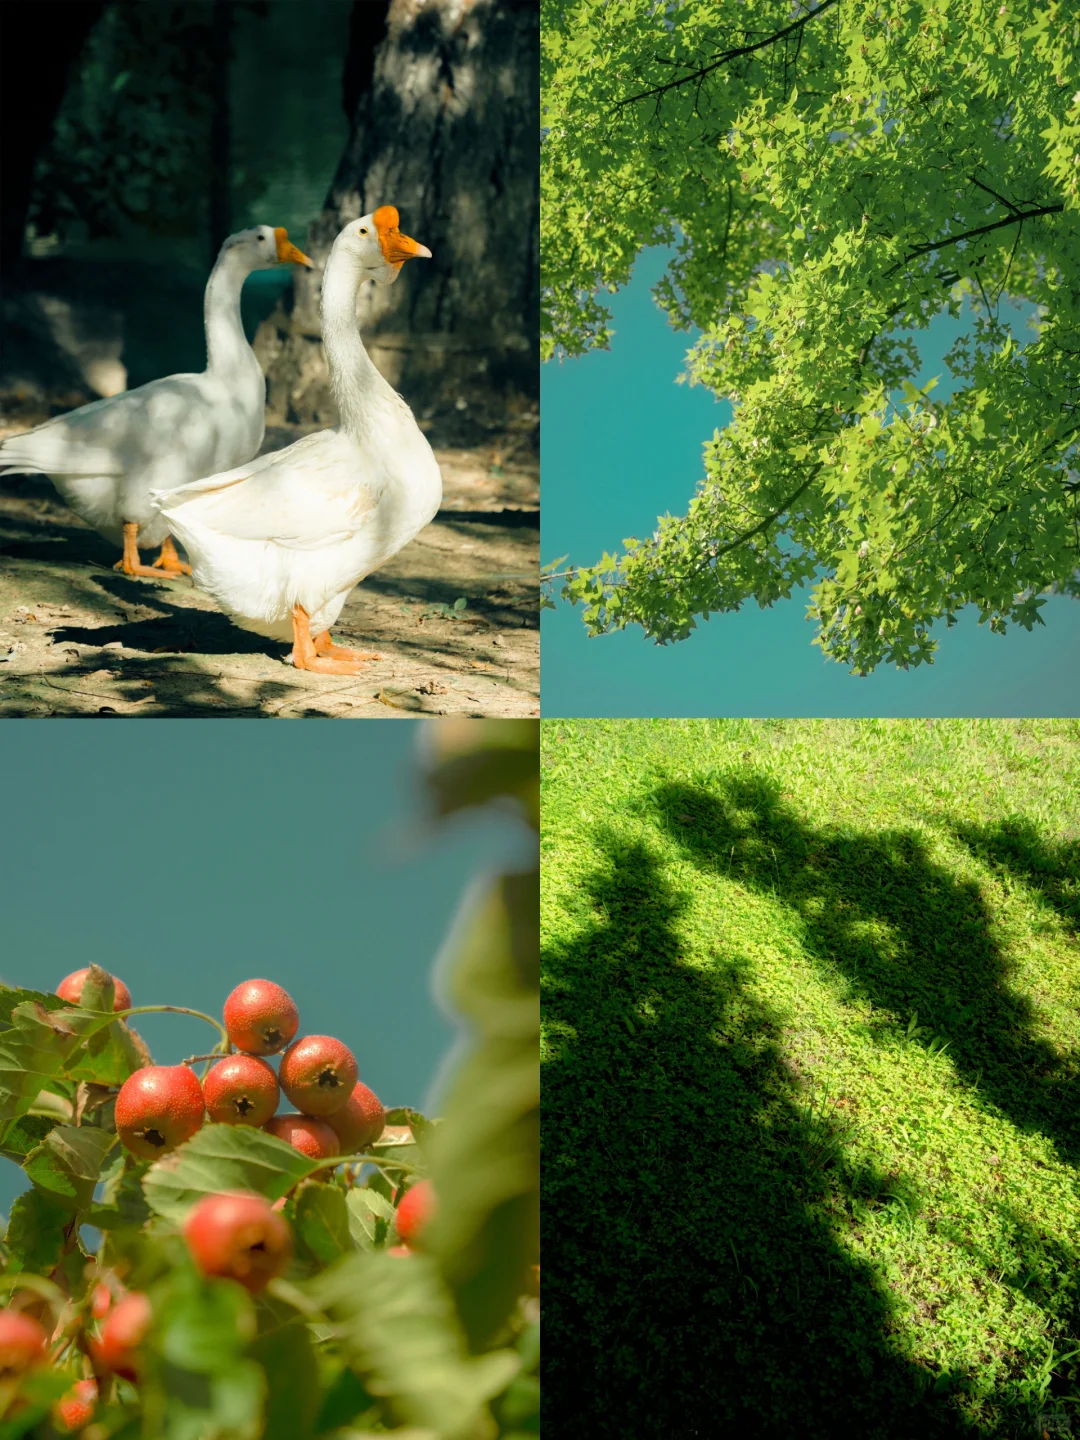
188,857
622,445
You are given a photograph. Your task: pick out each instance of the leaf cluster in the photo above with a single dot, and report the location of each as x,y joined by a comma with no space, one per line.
831,179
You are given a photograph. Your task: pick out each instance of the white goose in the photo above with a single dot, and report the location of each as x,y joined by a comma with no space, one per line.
105,458
279,543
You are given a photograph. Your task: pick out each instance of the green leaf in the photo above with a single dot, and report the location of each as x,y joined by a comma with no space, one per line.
24,1135
486,1151
32,1052
67,1165
287,1358
224,1157
199,1384
366,1209
123,1203
36,1235
460,603
396,1319
346,1399
322,1221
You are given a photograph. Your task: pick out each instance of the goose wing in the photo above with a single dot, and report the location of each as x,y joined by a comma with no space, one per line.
310,494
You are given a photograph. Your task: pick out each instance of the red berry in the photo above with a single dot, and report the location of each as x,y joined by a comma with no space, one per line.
22,1343
76,1409
71,988
238,1236
311,1137
359,1121
260,1017
241,1090
415,1209
100,1301
123,1332
158,1109
318,1074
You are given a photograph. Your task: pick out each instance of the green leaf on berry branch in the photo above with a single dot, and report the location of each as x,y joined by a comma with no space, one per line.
224,1157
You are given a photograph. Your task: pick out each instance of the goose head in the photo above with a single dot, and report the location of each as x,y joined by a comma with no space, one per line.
262,247
377,247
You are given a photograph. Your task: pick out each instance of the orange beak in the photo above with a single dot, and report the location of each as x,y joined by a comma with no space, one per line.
396,247
287,252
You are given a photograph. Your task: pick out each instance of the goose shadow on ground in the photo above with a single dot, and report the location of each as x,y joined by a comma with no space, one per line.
692,1284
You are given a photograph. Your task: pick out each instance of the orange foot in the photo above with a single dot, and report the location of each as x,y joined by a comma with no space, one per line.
130,564
169,561
324,645
322,655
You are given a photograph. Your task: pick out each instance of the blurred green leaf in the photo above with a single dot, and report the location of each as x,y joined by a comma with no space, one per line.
346,1399
224,1157
397,1320
486,1152
472,762
36,1233
67,1165
287,1358
199,1385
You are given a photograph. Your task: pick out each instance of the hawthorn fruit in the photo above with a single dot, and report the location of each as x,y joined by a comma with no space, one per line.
260,1017
312,1137
76,1409
157,1109
71,988
237,1235
318,1074
122,1334
241,1090
414,1211
359,1121
23,1343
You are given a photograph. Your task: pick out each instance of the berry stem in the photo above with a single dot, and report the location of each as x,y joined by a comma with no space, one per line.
376,1160
176,1010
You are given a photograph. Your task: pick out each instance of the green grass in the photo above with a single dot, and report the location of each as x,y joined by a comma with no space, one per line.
811,1084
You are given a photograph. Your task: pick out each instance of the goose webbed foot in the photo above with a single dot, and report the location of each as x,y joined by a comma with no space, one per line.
324,645
169,561
130,563
321,654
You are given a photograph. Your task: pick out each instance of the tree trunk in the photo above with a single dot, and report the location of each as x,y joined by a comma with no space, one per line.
38,45
445,130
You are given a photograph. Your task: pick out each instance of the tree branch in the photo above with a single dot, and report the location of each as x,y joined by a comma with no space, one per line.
726,56
1016,219
764,524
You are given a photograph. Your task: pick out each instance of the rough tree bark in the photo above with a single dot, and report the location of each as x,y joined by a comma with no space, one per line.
444,128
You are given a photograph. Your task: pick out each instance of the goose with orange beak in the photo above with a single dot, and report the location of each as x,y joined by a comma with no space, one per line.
280,542
105,458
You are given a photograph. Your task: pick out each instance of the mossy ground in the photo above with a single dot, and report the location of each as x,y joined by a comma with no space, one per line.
811,1077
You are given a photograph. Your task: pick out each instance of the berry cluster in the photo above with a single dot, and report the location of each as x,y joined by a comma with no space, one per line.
235,1235
160,1107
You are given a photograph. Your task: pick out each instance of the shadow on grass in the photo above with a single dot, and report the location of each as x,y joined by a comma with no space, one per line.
693,1285
944,964
1016,846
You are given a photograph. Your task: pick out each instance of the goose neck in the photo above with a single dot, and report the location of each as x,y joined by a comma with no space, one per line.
358,387
227,349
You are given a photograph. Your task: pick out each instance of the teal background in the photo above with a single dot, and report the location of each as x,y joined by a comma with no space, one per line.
621,445
188,857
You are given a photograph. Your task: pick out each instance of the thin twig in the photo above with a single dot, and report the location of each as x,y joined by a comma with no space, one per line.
726,56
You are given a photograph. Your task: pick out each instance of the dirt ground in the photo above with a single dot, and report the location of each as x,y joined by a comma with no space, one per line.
78,639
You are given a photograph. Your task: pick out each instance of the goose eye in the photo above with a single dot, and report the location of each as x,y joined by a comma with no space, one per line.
363,229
